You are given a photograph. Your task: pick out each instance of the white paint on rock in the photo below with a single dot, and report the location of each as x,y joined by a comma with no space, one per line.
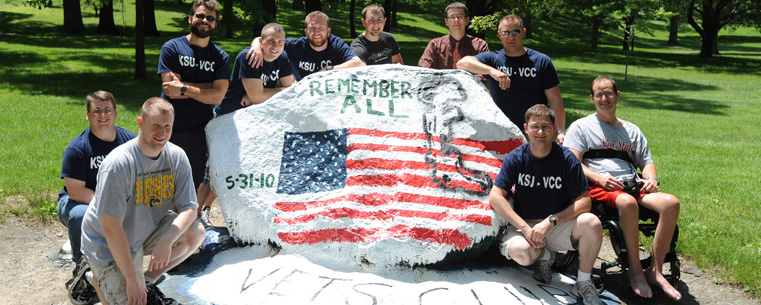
253,275
387,195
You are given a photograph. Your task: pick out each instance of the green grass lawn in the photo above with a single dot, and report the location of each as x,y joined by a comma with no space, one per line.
700,115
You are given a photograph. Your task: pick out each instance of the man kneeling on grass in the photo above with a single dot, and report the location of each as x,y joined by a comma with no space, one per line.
129,216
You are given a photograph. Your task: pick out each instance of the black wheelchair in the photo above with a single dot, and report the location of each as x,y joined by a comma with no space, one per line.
609,218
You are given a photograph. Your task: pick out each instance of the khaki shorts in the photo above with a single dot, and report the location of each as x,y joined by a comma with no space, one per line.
559,238
110,278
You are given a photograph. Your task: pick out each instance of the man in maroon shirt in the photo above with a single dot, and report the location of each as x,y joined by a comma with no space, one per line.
445,51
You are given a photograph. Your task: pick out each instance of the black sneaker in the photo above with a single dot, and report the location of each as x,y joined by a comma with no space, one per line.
80,290
156,297
204,218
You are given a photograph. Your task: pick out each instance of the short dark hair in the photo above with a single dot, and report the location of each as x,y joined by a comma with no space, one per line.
540,110
456,5
210,4
274,26
599,79
100,95
511,17
373,8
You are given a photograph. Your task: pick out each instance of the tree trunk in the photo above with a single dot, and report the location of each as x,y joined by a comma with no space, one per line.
149,18
352,27
72,17
270,11
528,23
394,9
106,23
312,5
387,7
596,20
139,40
228,18
298,5
673,30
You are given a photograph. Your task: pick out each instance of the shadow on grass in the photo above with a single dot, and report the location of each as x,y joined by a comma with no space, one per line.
651,93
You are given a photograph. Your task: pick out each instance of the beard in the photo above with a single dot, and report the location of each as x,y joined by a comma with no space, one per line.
195,28
314,44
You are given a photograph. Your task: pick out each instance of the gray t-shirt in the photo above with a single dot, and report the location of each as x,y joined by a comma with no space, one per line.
591,132
139,190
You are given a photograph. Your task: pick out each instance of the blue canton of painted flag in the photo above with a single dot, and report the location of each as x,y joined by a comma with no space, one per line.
313,162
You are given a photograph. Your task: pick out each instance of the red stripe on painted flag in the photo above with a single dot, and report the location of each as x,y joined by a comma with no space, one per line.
493,162
386,215
377,199
418,181
452,237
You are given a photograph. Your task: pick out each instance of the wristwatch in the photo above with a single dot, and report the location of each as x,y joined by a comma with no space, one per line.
657,182
183,89
553,219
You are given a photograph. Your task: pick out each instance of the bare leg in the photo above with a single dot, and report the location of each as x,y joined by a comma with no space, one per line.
522,253
587,235
186,245
93,279
628,214
667,207
205,196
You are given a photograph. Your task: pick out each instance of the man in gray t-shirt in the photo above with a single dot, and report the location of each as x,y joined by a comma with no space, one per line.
130,217
611,150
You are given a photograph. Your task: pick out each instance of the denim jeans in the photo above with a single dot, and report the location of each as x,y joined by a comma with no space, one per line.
70,213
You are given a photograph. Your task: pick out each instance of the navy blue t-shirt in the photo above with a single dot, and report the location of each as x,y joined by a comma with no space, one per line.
306,60
83,156
196,65
530,74
542,186
269,73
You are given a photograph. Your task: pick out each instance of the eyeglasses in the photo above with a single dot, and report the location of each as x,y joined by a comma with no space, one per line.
375,21
209,18
609,94
99,111
536,128
458,17
507,33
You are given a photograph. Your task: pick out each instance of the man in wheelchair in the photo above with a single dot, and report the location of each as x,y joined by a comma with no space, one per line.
551,204
611,151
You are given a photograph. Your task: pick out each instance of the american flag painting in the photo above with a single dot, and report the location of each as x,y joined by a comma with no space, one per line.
382,178
380,165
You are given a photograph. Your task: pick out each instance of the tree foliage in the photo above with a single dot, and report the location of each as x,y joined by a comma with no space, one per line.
708,17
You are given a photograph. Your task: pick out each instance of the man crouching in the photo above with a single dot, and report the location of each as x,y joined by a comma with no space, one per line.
551,205
129,215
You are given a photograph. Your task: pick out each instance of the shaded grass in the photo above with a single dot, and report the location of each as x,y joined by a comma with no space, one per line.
699,115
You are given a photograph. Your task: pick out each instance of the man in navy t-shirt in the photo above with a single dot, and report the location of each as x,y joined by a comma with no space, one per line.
249,86
81,161
317,51
519,77
195,77
550,205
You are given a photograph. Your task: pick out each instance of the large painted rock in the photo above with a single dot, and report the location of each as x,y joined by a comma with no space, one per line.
383,165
